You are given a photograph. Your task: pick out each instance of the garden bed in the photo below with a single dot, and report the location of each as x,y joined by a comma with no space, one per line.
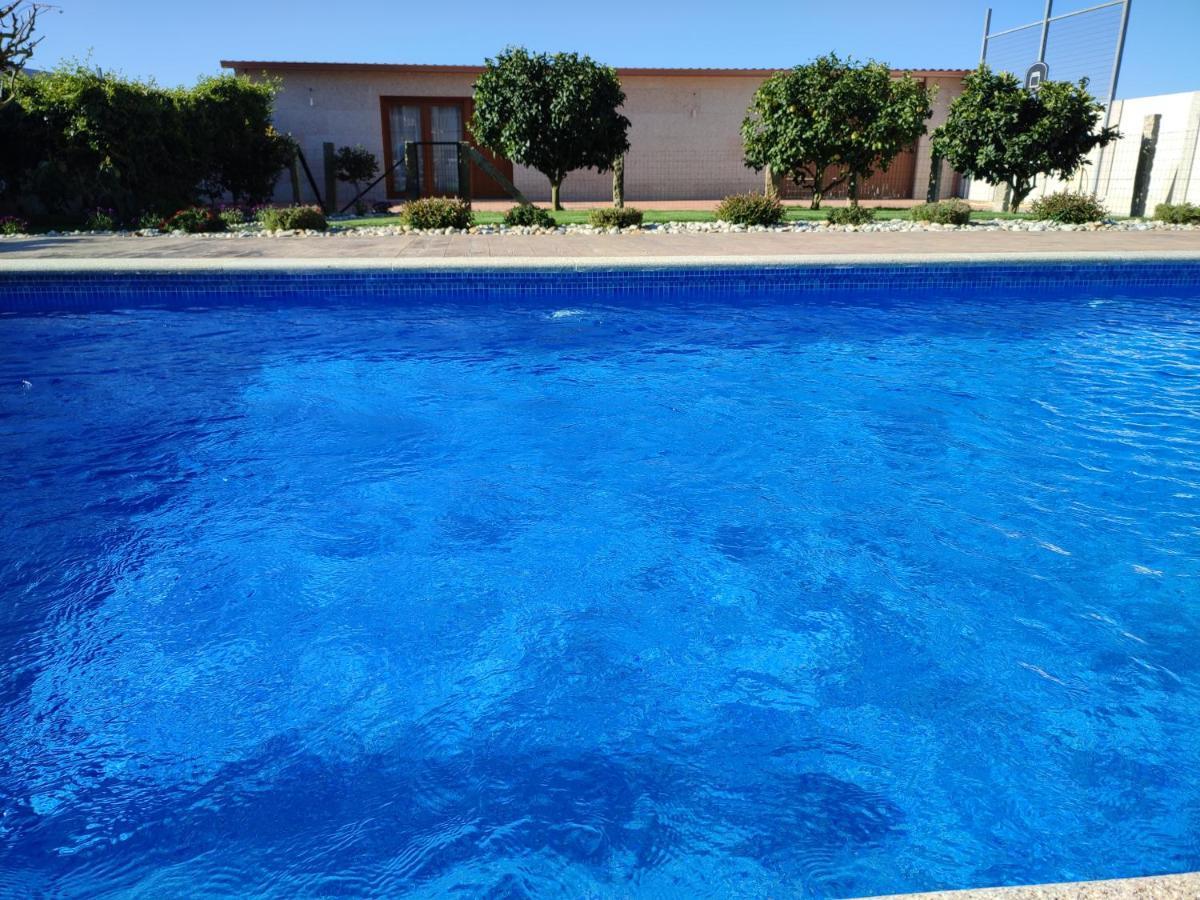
350,228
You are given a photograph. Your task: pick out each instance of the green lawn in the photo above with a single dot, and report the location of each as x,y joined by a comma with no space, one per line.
580,216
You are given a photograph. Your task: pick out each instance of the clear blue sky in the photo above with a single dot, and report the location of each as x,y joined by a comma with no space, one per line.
173,41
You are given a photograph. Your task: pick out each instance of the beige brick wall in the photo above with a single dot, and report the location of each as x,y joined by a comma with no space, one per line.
684,134
945,90
343,108
684,141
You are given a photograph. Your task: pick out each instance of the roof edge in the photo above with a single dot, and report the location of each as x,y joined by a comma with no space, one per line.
427,69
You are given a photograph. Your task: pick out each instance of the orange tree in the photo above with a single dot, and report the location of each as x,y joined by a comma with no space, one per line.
1003,133
833,121
554,113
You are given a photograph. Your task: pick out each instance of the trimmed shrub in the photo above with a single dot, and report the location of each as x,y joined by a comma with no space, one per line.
292,218
233,216
195,220
850,215
13,225
613,217
436,213
151,220
944,212
1068,208
1178,213
750,209
528,215
101,220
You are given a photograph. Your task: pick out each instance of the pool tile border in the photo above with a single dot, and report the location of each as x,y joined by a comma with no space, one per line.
108,284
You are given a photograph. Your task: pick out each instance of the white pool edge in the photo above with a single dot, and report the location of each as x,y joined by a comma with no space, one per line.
576,264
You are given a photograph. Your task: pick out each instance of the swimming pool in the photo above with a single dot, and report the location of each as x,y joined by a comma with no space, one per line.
656,583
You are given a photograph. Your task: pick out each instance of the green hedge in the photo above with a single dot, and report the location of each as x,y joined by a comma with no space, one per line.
196,220
944,212
527,215
1178,213
436,213
76,140
850,215
615,217
293,218
750,209
1068,208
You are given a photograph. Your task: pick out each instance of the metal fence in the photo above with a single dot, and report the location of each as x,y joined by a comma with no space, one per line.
1084,43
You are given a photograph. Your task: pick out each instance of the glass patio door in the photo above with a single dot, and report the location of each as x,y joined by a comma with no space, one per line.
404,125
445,124
435,125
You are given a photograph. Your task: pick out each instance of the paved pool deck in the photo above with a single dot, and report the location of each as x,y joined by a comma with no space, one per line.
1163,887
605,248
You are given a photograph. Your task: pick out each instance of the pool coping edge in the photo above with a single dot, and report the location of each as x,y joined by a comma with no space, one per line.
26,265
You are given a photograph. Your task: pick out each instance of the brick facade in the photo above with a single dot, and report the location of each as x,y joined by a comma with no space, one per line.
684,134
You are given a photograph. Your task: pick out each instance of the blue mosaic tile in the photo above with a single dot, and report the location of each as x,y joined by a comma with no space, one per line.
55,291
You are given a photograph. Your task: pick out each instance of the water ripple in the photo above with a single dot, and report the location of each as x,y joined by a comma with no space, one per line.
824,597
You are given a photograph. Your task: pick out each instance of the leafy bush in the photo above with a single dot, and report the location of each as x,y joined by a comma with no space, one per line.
944,212
292,218
528,215
229,130
233,216
151,220
195,220
1068,208
436,213
614,217
13,225
750,209
101,220
75,139
1178,213
850,215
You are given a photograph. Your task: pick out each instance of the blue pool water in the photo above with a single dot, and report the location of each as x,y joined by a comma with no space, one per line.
809,596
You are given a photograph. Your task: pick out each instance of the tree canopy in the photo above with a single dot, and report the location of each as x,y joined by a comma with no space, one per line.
1003,133
833,121
554,113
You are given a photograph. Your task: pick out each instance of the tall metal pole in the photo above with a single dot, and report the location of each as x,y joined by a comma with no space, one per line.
1045,30
987,27
1112,88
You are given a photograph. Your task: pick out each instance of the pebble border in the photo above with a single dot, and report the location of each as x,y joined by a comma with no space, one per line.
340,230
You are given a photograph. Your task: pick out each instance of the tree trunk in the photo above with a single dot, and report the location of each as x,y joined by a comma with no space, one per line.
1020,191
816,197
852,189
619,182
554,201
771,182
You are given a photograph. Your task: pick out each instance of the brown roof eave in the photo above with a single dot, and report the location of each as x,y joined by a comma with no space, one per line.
240,65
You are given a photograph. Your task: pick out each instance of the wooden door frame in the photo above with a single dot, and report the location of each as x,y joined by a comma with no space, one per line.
423,102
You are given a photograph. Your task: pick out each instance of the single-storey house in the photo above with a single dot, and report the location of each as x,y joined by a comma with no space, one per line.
685,131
